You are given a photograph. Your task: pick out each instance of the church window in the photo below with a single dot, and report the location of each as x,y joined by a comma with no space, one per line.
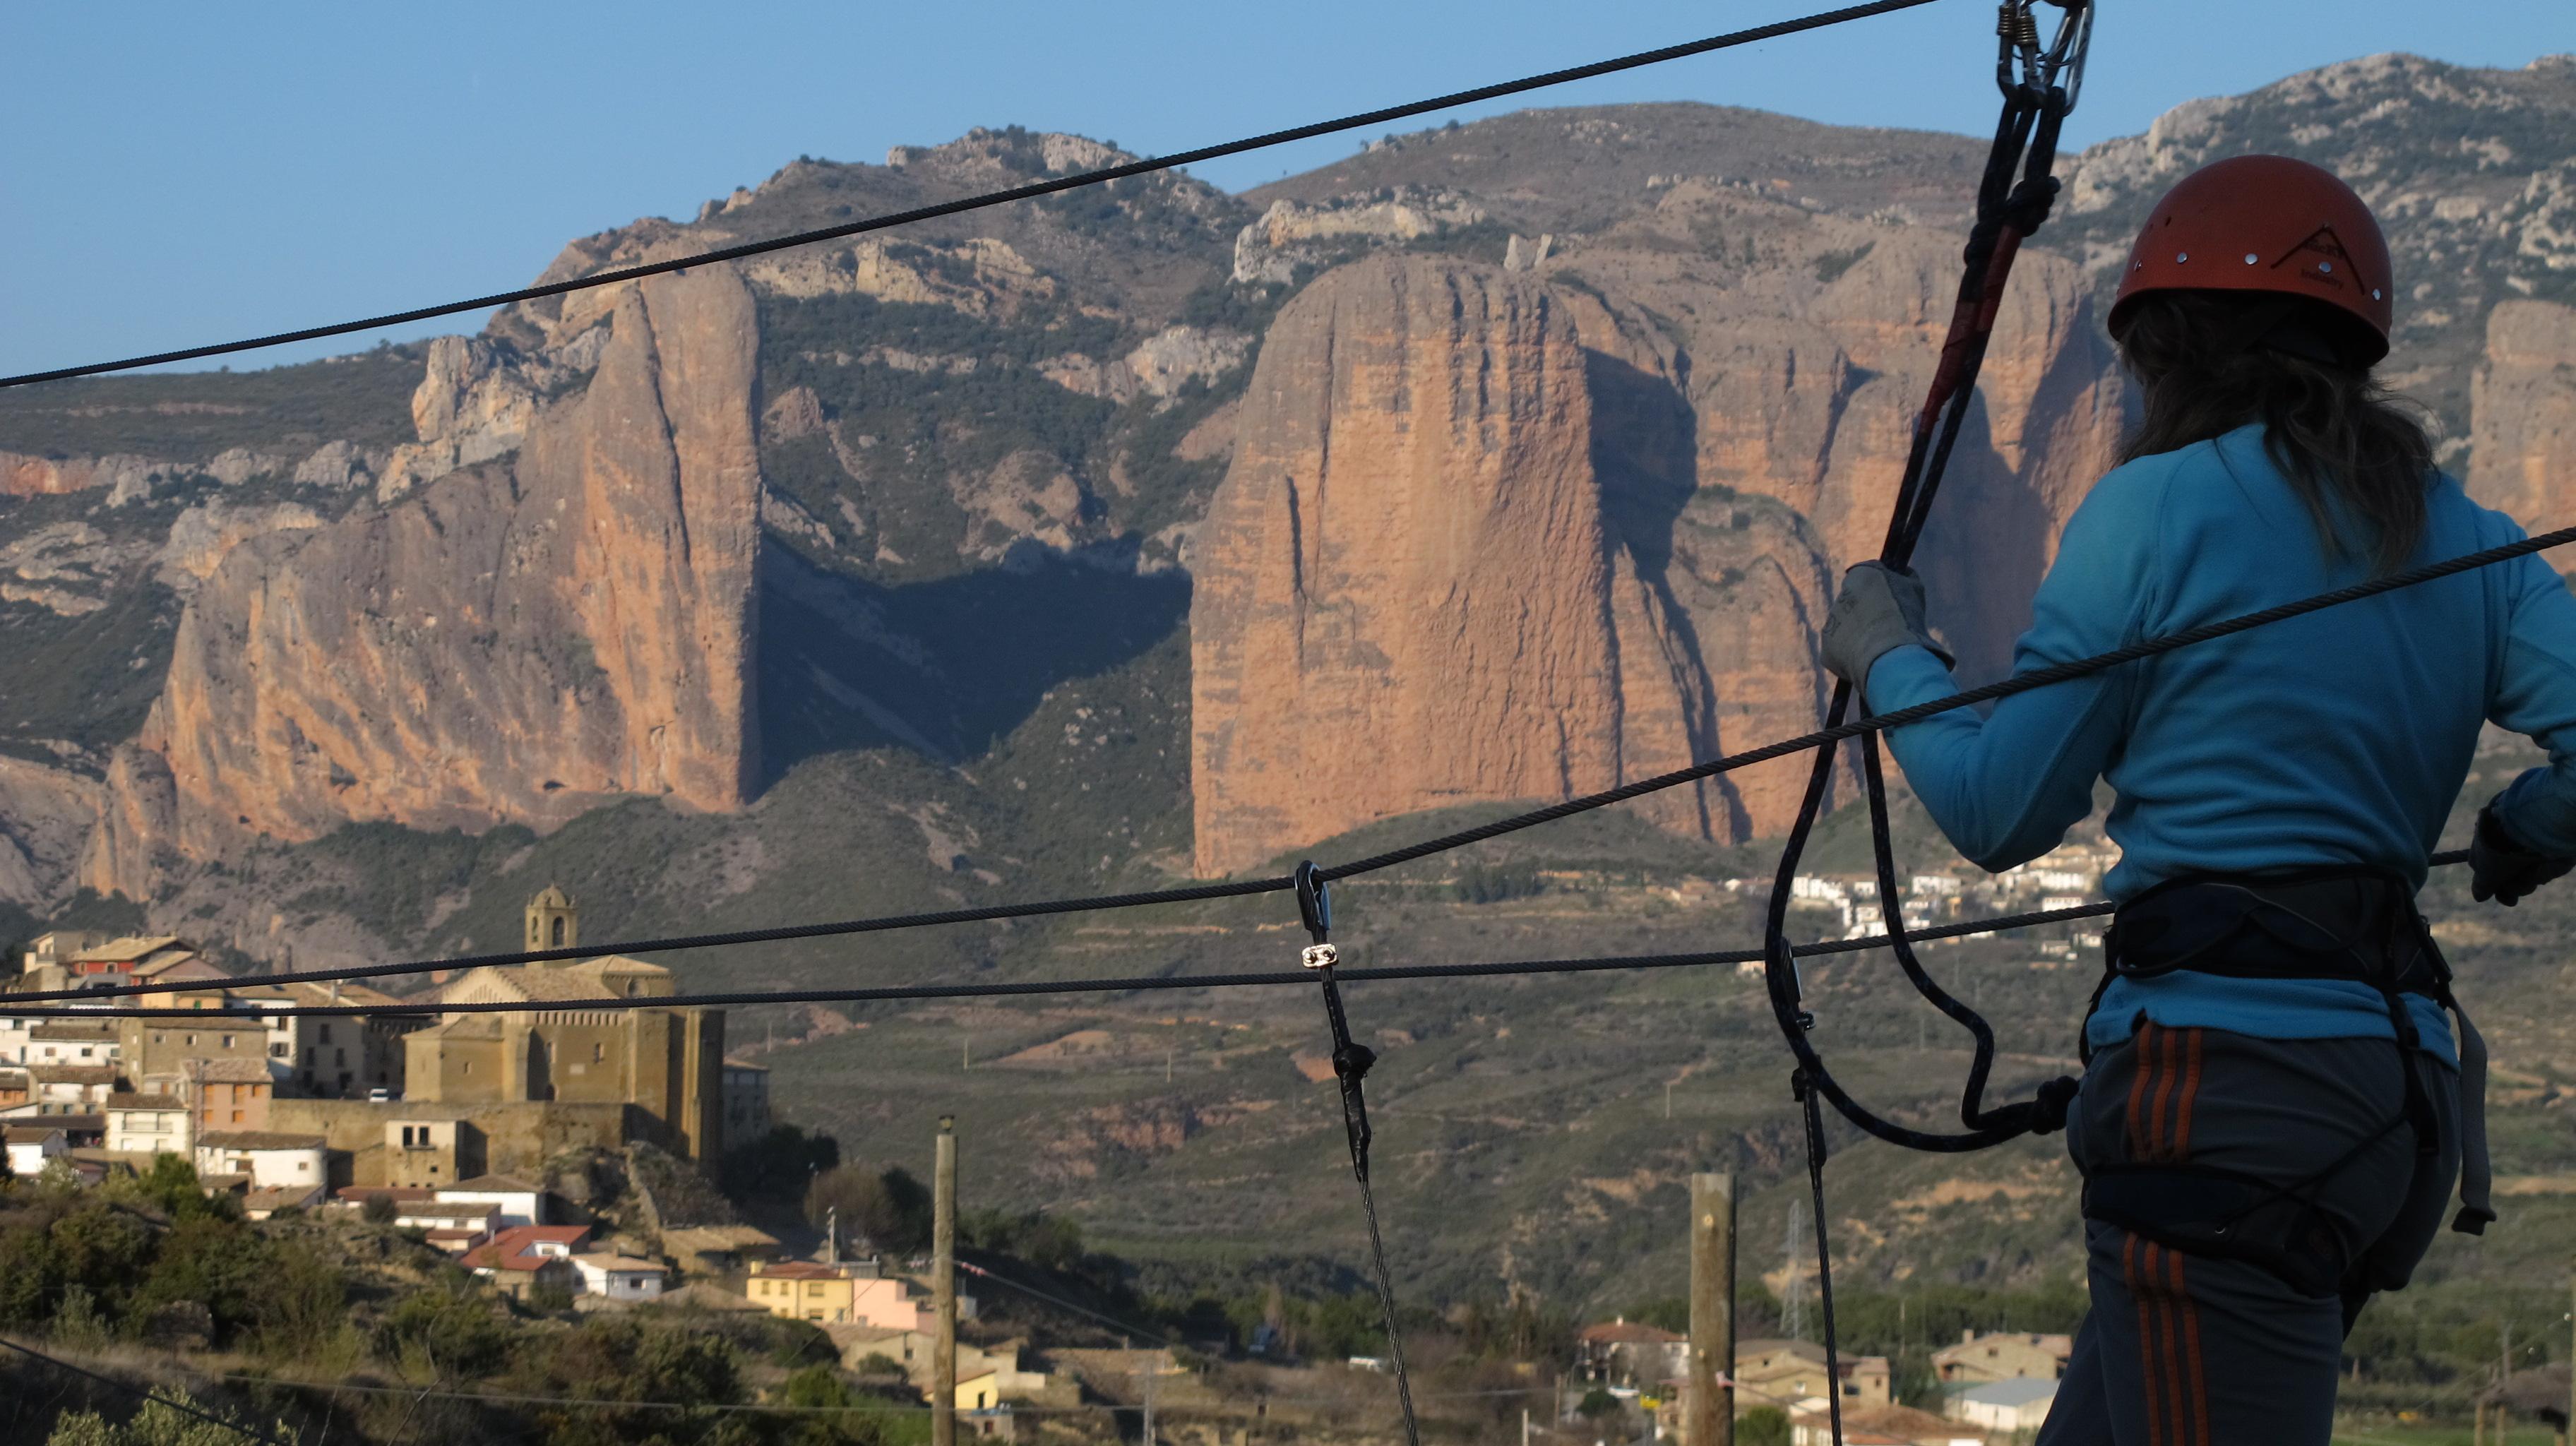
598,1052
557,940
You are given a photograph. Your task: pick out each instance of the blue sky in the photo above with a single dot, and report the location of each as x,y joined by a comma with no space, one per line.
174,175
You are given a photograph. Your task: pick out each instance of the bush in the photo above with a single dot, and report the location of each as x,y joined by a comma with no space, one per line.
379,1210
777,1165
890,1209
1762,1426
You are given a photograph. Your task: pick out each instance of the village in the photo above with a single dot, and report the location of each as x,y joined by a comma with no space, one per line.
456,1130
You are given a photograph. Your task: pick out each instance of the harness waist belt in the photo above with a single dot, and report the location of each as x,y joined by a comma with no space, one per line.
2331,923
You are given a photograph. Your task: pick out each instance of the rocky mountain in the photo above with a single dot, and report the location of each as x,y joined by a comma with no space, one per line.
1616,392
1151,531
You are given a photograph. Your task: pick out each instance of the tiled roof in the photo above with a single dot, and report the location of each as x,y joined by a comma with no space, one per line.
800,1270
258,1140
443,1210
2020,1391
398,1193
230,1071
59,1030
489,1185
30,1134
280,1197
551,983
123,1101
508,1250
81,1074
1628,1332
125,950
605,1260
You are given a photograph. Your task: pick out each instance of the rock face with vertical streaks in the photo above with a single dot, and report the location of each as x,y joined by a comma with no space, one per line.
514,642
2523,404
1408,595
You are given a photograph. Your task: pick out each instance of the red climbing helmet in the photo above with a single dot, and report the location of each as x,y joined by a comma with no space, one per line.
2269,224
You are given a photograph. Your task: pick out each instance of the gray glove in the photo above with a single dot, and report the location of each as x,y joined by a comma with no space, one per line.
2501,868
1879,611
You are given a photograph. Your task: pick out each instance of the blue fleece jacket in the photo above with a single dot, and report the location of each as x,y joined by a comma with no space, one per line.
2341,737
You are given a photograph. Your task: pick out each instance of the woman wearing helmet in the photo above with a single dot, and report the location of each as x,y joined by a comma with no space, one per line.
2272,1109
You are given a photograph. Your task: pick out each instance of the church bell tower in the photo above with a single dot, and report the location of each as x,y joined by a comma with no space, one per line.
554,919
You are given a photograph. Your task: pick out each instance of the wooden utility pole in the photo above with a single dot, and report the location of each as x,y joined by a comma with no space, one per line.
943,1286
1711,1418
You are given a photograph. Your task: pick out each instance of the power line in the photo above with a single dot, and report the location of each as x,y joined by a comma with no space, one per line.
1030,191
1057,1300
1133,984
175,1403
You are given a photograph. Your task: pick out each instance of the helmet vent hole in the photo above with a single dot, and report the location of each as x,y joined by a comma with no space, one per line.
2181,256
2251,258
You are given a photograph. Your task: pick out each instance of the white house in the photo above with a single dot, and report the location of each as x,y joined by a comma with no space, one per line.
619,1277
30,1146
454,1228
268,1157
147,1124
519,1202
2015,1405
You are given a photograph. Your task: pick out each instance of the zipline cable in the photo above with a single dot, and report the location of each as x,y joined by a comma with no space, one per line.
1132,984
988,199
1824,737
175,1403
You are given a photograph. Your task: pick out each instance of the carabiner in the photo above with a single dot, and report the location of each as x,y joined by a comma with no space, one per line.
2024,65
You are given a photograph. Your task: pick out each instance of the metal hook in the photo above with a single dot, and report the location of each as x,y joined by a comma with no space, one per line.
2024,64
1314,900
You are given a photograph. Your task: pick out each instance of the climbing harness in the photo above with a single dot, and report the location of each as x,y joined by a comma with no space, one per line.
1351,1061
2040,82
2353,924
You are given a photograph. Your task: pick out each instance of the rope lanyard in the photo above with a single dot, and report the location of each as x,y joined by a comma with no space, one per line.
1351,1061
2039,86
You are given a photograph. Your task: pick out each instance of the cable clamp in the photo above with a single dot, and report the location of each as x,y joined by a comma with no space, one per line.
1320,956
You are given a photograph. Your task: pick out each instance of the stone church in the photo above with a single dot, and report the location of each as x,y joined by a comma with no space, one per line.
667,1062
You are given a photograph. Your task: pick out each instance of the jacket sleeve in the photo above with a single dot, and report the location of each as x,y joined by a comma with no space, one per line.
2535,695
2006,787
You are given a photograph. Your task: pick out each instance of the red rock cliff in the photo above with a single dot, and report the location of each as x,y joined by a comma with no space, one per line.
1407,595
513,642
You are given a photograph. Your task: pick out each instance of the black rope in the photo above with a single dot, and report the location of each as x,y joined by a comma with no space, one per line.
1801,1087
1034,189
1233,889
2026,136
174,1402
1351,1062
1133,984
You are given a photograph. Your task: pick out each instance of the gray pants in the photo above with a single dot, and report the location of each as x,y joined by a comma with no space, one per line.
2200,1347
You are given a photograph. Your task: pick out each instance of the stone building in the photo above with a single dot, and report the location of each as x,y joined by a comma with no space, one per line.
666,1062
2003,1356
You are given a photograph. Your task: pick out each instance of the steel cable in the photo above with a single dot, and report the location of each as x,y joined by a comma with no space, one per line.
989,199
1133,984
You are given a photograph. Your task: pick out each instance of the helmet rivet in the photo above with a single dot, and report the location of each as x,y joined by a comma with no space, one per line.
2251,258
2181,256
2374,293
2325,266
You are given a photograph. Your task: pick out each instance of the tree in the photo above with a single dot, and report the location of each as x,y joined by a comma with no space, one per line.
777,1165
890,1209
1762,1426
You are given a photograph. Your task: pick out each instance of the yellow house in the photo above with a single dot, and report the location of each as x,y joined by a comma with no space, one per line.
982,1393
835,1295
